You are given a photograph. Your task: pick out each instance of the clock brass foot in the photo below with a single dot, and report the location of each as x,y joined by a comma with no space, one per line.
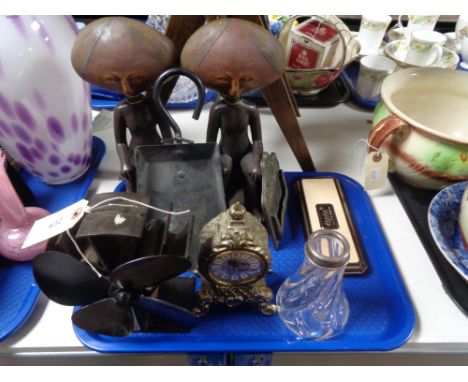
268,309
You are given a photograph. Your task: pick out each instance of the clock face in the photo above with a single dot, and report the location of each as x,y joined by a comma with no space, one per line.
236,267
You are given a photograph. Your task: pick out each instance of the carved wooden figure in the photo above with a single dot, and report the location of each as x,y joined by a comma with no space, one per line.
234,57
126,56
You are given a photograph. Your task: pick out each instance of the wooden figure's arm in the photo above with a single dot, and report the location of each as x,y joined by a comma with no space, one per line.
256,130
120,133
213,124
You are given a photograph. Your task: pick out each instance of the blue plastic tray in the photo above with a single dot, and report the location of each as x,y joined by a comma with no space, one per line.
382,316
18,289
350,75
104,99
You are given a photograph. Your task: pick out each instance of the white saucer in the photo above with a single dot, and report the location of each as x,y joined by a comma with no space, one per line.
397,50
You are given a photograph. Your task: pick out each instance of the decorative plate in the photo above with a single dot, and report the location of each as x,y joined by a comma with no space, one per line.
445,229
397,50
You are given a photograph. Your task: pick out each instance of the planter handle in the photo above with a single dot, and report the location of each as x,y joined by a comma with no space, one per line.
383,128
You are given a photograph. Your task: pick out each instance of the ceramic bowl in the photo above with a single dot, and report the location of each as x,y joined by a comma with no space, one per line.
313,81
443,219
421,124
397,50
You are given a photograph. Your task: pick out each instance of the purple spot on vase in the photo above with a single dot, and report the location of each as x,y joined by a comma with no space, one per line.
37,173
54,159
84,122
55,129
36,153
53,174
18,23
5,128
74,122
21,133
71,158
39,99
85,160
41,146
77,160
24,151
5,106
24,115
65,169
85,145
72,23
44,35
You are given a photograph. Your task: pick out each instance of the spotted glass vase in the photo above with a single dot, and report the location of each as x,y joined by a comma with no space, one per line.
45,110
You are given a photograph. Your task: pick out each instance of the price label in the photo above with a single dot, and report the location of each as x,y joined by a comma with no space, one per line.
376,169
56,223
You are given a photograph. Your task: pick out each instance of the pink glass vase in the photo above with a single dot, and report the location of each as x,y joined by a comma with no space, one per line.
16,221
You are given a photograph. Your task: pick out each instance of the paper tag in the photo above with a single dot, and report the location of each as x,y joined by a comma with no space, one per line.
103,121
375,170
54,224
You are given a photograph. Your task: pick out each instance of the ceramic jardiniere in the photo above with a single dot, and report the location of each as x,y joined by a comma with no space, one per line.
422,124
313,81
45,112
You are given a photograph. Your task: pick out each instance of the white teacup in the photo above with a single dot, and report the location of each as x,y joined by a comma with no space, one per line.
463,218
372,32
425,47
452,41
416,22
372,71
462,26
464,52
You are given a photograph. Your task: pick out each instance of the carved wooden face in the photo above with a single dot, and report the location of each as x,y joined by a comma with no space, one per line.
121,55
234,56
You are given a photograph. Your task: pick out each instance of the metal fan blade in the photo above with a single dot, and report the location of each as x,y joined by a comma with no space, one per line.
105,317
66,280
168,311
149,271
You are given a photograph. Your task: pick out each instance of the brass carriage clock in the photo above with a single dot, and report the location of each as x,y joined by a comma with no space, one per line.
234,261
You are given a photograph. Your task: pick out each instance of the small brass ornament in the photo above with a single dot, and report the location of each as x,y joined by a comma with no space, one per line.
234,261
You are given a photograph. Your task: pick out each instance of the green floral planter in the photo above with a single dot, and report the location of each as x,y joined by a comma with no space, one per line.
424,154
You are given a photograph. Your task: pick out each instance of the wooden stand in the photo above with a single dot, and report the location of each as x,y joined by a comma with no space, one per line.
278,95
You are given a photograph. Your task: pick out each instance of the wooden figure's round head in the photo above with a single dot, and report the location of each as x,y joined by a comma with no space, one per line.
234,56
121,54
